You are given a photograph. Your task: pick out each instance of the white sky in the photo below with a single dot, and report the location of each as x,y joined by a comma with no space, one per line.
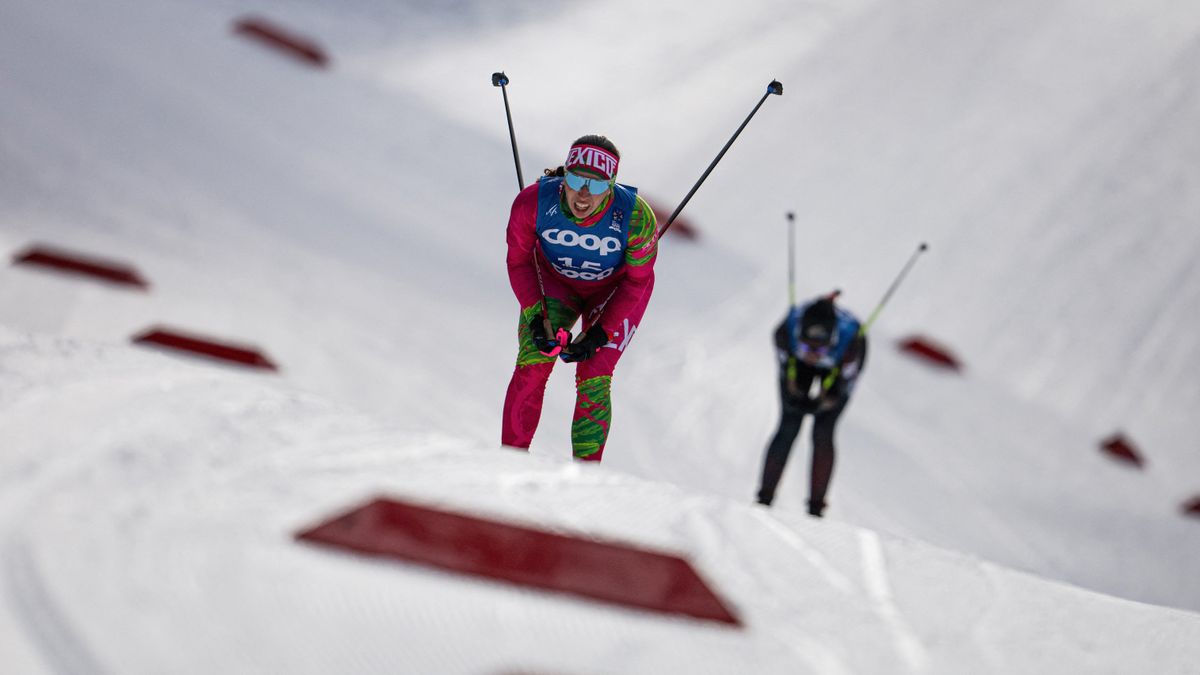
350,222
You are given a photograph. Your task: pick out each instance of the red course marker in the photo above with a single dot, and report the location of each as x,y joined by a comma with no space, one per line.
177,340
281,40
931,353
1121,449
76,263
607,571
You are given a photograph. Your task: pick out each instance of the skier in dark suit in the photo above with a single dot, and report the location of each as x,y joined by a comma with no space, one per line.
822,349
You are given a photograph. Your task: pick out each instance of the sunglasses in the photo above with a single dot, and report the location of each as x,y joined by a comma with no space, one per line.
805,350
594,185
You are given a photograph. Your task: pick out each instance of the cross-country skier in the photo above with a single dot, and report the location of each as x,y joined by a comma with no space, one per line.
580,246
821,349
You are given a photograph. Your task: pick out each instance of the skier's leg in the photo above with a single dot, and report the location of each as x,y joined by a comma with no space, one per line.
593,384
824,454
523,403
593,415
523,400
790,419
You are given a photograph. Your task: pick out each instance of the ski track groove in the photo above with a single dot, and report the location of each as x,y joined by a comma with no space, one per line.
908,645
810,555
62,648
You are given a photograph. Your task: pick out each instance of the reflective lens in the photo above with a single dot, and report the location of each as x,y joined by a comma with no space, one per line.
594,185
805,350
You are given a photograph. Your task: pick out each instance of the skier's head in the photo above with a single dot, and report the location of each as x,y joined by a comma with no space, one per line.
588,173
818,329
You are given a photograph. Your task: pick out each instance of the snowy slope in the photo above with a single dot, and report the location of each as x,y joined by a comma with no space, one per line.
137,546
350,223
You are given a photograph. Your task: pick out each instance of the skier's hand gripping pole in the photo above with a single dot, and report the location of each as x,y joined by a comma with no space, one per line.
548,341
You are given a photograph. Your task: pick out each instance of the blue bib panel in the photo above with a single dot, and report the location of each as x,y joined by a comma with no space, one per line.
592,253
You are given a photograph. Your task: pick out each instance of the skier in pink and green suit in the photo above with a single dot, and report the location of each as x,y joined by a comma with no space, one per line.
580,246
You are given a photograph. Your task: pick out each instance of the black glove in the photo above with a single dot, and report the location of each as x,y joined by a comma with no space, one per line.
828,401
547,345
586,346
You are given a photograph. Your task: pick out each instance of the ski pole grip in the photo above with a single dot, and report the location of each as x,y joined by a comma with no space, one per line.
561,339
499,79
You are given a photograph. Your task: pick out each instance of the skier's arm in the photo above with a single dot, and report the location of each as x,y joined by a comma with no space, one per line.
852,366
783,341
784,344
787,363
640,255
522,239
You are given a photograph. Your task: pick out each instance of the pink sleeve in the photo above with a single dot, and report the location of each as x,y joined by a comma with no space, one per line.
639,266
628,295
522,237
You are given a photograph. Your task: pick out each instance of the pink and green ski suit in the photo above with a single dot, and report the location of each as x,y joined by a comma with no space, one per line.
615,298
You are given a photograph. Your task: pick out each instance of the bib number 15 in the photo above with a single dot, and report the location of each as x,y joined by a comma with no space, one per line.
587,270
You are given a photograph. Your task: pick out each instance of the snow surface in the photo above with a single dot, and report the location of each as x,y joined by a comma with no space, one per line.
350,222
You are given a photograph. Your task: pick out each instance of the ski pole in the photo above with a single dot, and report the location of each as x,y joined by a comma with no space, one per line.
501,80
892,289
791,362
775,87
862,330
562,336
791,218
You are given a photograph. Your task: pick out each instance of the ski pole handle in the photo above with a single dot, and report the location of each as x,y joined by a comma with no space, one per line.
561,339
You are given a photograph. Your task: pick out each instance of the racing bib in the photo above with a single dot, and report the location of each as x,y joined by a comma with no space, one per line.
592,253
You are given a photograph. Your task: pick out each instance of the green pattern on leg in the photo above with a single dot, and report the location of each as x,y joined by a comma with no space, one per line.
593,415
